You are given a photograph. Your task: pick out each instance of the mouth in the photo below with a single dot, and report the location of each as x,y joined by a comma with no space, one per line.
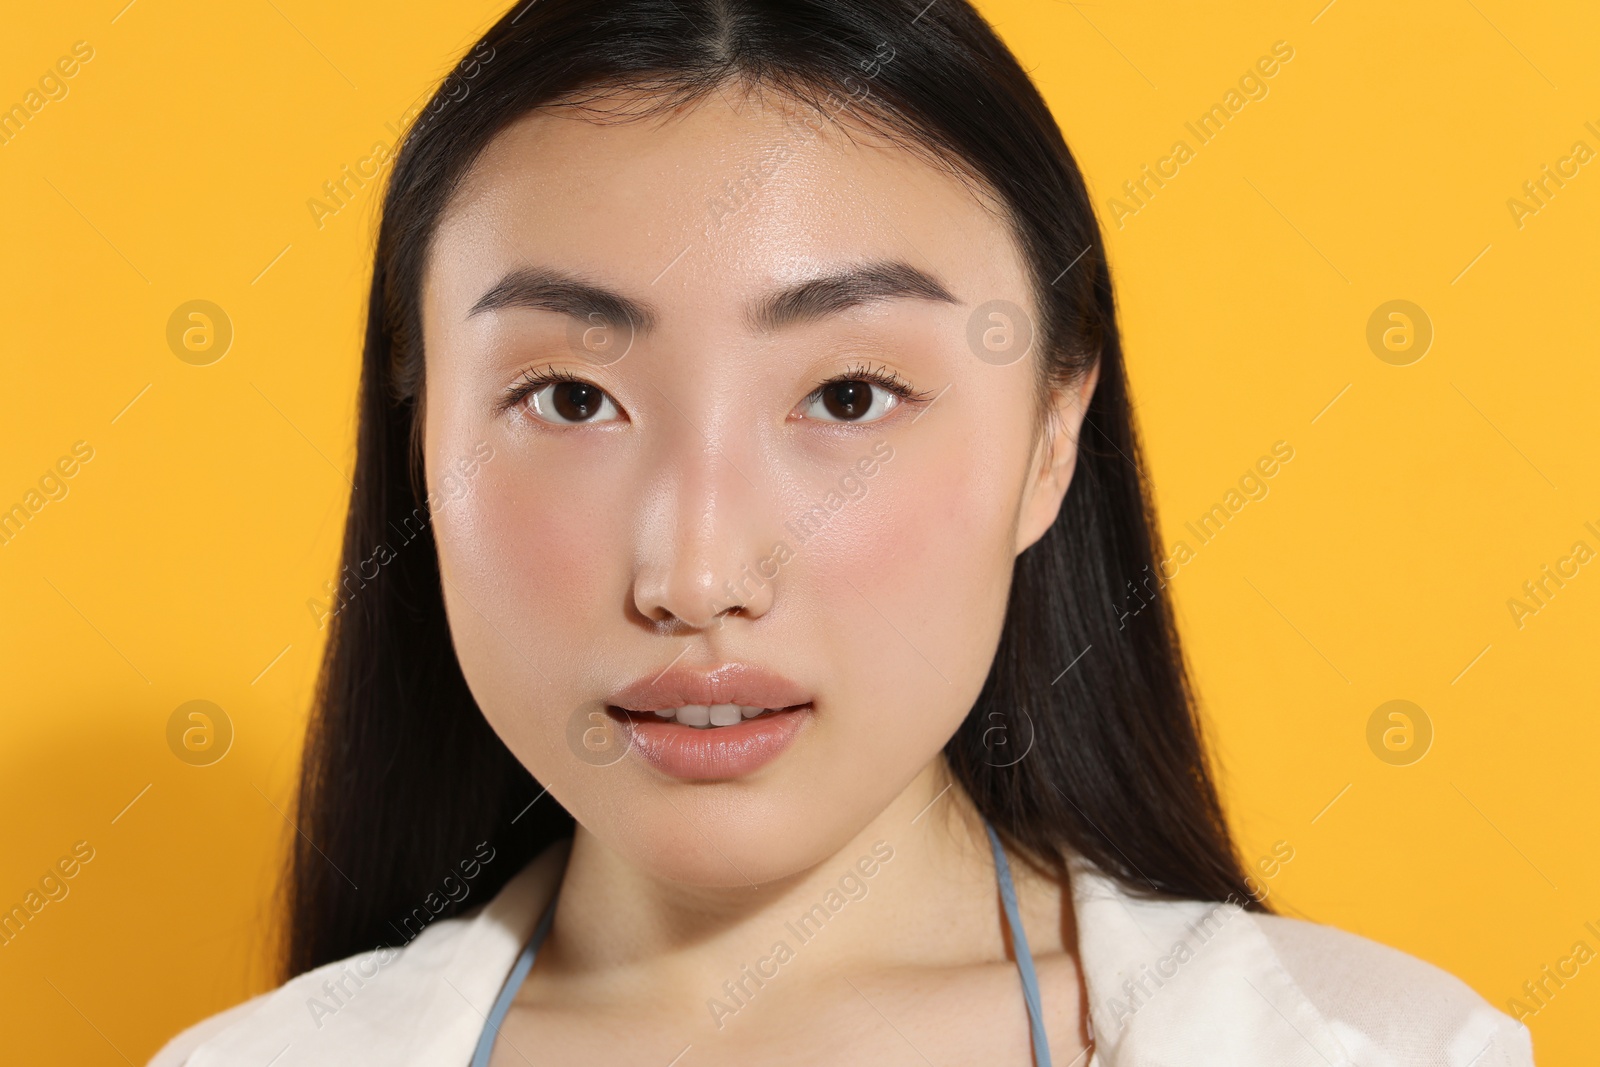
710,697
704,716
725,722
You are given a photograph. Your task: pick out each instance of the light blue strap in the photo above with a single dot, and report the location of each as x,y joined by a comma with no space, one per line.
508,992
1019,946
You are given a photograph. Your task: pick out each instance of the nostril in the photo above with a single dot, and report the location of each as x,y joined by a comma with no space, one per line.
667,622
683,590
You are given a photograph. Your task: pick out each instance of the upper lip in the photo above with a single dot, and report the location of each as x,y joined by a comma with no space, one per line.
744,684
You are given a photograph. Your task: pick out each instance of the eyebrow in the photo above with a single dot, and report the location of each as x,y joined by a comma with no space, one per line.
805,301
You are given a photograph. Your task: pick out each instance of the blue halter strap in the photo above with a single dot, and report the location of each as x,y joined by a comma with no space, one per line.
1019,945
1008,897
508,992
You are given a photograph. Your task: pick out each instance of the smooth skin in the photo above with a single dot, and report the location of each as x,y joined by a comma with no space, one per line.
591,551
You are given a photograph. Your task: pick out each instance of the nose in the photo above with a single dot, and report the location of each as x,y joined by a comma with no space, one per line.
706,550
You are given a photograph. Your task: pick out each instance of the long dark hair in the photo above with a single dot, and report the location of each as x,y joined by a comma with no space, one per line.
403,779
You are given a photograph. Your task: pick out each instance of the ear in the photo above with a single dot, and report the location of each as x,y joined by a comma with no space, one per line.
1055,457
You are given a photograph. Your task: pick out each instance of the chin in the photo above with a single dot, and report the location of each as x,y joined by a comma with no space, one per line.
723,834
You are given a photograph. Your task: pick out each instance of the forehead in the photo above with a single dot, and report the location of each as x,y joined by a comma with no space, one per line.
721,199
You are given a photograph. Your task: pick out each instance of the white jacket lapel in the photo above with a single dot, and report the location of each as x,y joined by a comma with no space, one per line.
1189,983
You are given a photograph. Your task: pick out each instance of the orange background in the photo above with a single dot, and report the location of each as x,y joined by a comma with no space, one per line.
1378,567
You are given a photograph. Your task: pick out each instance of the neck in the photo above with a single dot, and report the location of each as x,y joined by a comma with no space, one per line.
915,887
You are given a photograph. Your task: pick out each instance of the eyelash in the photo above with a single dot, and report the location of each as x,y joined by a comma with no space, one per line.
876,374
531,381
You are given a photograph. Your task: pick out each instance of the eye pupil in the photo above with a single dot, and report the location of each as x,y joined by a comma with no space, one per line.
847,400
576,401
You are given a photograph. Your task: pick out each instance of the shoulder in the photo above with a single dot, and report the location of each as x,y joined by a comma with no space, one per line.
176,1053
355,1005
391,1004
1269,989
1386,1006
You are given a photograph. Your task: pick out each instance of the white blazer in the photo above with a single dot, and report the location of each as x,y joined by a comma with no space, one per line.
1222,988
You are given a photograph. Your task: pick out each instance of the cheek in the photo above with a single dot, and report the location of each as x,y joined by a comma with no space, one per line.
910,584
534,564
509,543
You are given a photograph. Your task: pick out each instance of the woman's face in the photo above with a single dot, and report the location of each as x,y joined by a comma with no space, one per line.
656,509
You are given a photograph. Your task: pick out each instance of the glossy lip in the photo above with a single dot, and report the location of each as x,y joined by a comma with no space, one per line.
721,752
728,683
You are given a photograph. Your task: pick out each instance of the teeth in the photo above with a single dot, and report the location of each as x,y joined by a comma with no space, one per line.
709,716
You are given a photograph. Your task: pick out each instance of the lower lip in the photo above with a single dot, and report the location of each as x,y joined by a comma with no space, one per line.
718,752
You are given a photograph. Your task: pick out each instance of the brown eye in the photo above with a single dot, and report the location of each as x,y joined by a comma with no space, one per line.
850,401
576,401
847,401
565,403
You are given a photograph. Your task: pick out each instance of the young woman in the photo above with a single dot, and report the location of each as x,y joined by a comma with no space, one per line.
729,663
